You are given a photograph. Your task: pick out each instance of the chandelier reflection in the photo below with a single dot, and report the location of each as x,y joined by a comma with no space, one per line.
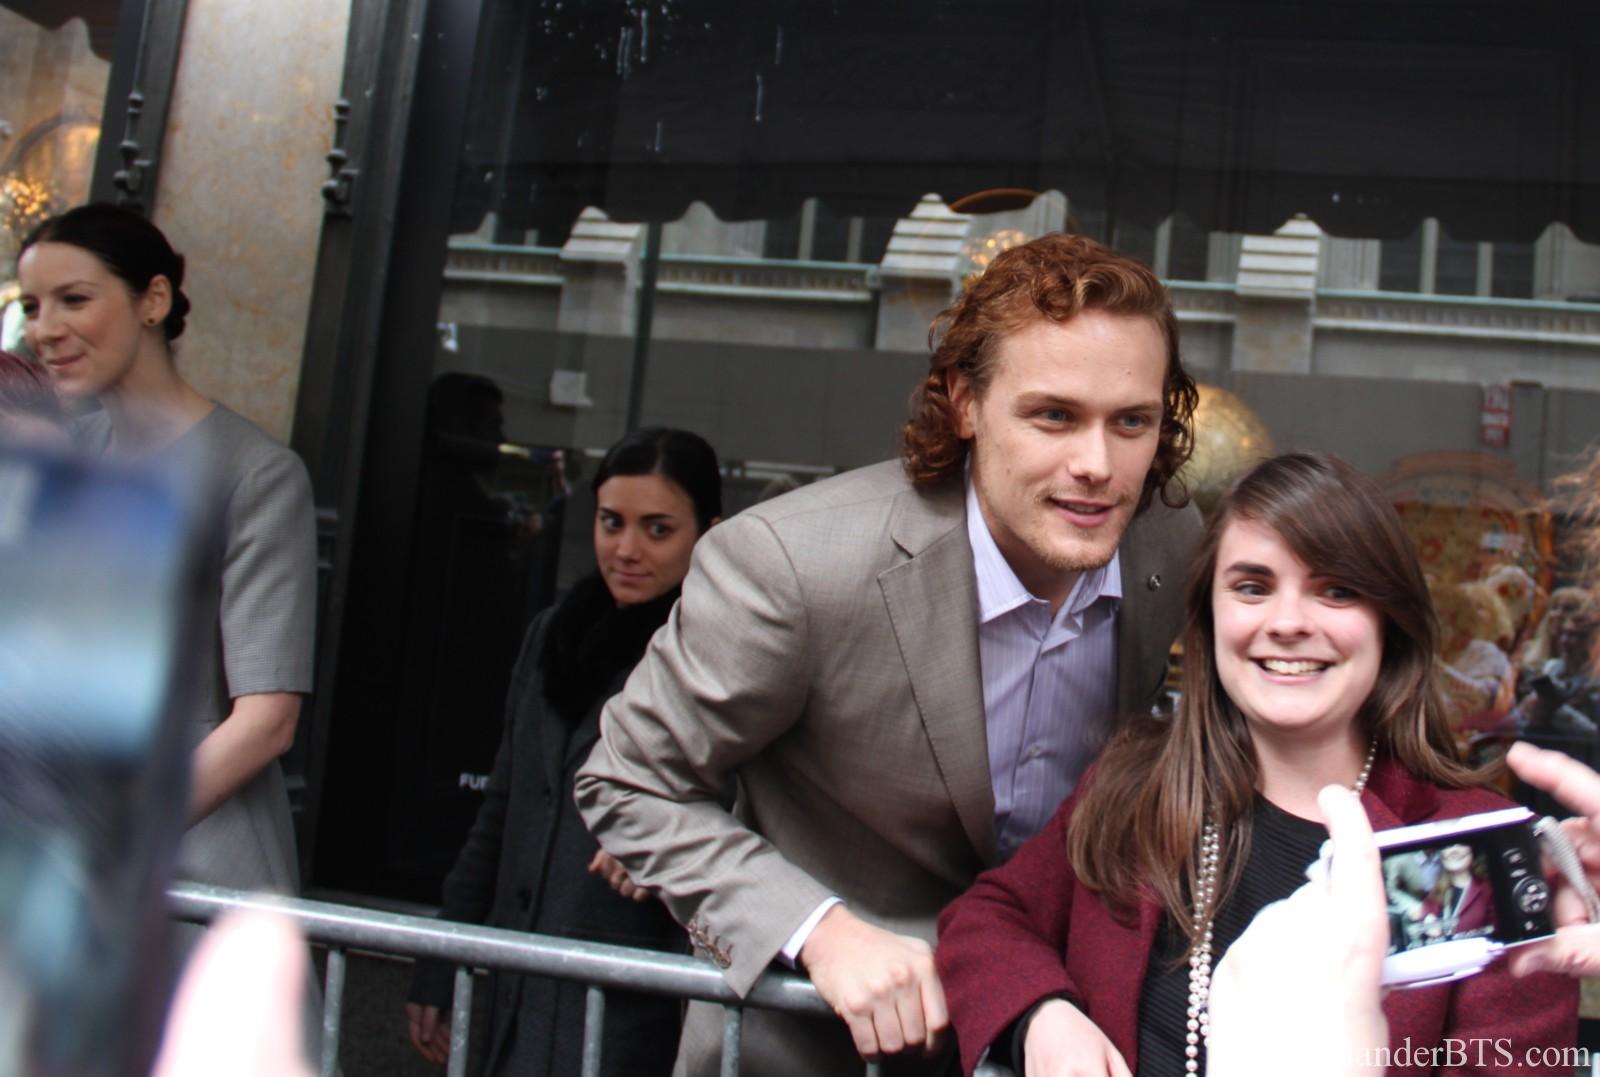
24,203
983,250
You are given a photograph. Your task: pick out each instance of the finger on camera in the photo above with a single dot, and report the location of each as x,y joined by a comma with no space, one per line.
1569,781
1574,951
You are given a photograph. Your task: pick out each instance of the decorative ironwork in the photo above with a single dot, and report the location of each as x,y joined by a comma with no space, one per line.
129,179
339,188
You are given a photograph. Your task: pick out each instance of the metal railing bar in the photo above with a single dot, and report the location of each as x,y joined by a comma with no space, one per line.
874,1069
332,1013
732,1023
460,1023
512,951
594,1024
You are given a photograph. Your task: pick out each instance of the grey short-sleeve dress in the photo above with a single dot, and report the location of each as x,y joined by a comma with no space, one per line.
266,562
263,567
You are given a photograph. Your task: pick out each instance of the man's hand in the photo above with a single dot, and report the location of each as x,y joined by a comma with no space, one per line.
430,1032
1304,980
1062,1042
882,984
1576,948
611,870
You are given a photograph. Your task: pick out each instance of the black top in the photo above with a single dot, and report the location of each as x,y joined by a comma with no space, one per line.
1282,846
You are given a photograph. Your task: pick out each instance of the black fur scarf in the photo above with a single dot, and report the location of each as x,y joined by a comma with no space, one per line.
590,640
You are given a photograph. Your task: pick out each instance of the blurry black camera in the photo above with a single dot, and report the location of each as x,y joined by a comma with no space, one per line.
98,588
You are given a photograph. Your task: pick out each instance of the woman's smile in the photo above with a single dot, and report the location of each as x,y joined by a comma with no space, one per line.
1297,651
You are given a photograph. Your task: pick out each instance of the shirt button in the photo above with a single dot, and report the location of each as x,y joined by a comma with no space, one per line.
1034,752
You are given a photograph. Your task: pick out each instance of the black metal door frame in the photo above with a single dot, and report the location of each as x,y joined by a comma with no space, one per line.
144,68
368,359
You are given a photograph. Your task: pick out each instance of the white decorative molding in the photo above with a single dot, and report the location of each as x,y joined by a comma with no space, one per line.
1195,301
1464,316
1282,265
498,264
597,238
929,244
763,278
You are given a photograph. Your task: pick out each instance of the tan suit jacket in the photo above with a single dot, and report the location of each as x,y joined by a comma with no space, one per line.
825,651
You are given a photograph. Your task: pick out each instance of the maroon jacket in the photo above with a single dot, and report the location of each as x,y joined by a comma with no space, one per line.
1004,945
1477,909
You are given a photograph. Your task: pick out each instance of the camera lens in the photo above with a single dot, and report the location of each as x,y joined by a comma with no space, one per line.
1532,895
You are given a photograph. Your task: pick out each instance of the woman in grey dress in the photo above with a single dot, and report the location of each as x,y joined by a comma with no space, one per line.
103,301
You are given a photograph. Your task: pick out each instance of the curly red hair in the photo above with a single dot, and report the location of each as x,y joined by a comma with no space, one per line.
1055,276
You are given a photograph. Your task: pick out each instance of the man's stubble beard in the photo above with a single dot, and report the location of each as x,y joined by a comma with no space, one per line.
1063,561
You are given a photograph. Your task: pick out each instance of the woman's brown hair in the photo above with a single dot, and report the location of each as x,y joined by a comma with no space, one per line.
1139,820
1057,277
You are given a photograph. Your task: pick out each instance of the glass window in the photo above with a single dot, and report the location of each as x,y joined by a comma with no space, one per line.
1378,226
55,61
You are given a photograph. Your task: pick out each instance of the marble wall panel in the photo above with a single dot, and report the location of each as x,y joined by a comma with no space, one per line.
240,191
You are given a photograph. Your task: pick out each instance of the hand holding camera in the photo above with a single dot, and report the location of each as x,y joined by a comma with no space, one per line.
1575,947
1302,982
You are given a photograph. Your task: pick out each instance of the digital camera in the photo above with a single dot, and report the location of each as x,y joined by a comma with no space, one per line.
99,585
1461,891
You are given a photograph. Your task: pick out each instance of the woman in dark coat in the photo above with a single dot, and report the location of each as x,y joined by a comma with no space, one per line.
528,863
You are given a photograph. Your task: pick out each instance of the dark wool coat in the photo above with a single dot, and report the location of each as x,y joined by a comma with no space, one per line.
1026,931
523,867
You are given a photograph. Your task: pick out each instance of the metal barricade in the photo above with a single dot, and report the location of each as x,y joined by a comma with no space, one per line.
601,966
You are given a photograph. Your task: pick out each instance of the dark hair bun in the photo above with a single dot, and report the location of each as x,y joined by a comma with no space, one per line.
179,311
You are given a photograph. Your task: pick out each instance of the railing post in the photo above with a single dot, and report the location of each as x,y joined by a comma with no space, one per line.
460,1022
594,1026
732,1022
332,1012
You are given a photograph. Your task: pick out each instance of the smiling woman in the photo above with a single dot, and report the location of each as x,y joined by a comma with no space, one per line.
103,302
1297,652
1309,661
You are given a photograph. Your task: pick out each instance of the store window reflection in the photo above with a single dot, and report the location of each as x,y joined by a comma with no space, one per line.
55,61
741,220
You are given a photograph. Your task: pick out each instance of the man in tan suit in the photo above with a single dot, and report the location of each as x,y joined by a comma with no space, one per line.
908,666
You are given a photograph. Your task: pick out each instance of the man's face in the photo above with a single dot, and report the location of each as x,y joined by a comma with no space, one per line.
1062,439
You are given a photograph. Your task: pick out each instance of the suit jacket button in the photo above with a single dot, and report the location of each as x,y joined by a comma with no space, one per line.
1154,582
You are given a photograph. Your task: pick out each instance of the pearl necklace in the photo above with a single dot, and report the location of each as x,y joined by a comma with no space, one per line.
1199,1012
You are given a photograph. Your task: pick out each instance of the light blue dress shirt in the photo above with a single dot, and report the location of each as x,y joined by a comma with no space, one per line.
1049,683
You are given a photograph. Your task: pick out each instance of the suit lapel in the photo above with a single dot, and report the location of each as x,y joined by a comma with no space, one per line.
932,601
1131,658
1154,556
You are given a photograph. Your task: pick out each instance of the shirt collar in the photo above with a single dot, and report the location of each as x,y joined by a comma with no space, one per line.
999,590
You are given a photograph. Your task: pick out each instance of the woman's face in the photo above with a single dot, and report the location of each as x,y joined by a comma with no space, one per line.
1297,652
644,530
1456,857
1565,604
80,319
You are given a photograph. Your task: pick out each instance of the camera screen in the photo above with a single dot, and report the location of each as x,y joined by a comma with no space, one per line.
1483,883
1436,895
